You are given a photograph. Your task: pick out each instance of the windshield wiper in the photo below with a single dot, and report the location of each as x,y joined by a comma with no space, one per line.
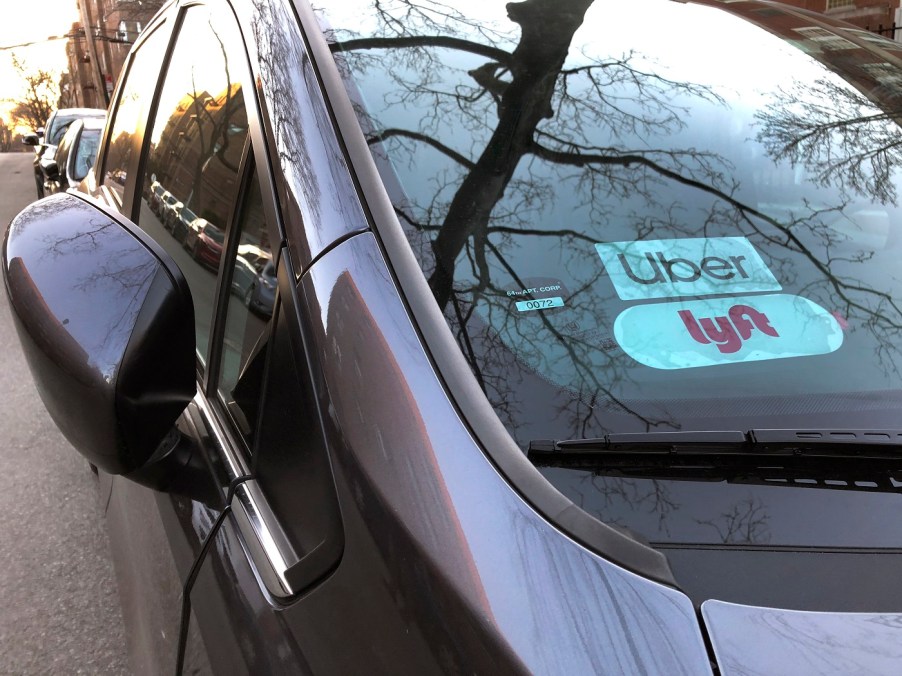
860,460
877,444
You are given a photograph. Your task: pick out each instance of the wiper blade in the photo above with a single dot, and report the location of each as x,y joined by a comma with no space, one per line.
875,444
855,460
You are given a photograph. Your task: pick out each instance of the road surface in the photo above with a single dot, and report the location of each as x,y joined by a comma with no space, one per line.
59,606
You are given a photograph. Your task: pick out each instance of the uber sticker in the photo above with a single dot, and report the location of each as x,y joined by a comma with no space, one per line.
716,331
699,266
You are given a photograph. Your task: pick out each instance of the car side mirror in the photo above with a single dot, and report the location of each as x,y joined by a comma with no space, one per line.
106,322
31,139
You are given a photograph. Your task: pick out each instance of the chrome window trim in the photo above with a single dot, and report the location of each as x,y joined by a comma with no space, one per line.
268,548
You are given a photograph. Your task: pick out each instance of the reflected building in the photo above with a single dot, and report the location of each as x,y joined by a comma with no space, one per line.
97,55
195,141
873,15
870,62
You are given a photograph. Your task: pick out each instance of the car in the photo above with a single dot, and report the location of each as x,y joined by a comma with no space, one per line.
169,209
261,294
243,277
583,354
204,242
180,224
73,158
47,138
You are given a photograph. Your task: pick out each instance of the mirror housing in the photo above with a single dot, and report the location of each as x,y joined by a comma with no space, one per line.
30,139
51,168
106,322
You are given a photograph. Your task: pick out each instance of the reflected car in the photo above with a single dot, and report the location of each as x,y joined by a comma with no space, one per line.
74,157
204,242
47,138
243,277
575,346
180,223
261,295
169,205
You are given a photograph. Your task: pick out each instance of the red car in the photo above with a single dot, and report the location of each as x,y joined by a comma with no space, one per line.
204,242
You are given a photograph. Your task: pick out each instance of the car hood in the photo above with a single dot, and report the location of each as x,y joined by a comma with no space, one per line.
755,640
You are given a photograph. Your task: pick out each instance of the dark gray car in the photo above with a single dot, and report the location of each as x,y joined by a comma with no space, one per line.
582,355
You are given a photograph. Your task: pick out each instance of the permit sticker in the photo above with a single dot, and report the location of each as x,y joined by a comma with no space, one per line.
538,293
674,268
715,331
539,304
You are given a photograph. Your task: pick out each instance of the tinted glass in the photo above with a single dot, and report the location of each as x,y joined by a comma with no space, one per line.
59,127
85,153
196,144
566,216
626,235
249,308
133,100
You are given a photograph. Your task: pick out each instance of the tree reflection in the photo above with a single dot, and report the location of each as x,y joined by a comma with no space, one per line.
745,523
521,107
838,135
528,131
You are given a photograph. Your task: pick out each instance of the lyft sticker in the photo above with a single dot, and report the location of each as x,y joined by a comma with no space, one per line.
700,266
726,331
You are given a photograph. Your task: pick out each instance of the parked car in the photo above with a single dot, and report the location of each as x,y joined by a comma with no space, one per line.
583,355
46,139
179,225
169,209
155,192
261,295
243,277
74,157
204,242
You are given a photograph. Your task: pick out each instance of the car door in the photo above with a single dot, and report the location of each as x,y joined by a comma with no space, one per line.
254,424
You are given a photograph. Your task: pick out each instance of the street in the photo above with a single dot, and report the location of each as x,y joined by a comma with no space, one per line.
60,606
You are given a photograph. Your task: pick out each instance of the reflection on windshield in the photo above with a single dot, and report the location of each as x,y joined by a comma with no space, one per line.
617,237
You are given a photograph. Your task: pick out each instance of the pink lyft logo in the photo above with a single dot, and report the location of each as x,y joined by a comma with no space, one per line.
684,334
730,331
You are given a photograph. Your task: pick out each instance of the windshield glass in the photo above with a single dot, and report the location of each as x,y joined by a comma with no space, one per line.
687,223
59,127
627,242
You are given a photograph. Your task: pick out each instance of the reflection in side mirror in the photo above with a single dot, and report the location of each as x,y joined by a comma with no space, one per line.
106,322
51,169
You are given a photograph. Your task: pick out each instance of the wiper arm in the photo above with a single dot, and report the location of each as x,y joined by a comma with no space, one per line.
833,459
885,444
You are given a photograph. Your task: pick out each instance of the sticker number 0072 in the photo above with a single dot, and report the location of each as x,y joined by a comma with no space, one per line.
540,304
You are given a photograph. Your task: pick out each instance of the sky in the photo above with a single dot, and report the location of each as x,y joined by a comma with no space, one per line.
24,21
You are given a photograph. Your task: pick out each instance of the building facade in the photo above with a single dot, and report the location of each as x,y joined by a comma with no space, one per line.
98,45
874,15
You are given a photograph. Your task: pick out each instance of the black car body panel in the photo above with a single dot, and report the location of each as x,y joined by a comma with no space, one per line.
354,485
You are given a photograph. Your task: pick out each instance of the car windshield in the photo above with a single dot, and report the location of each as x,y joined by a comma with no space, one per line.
625,235
59,128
